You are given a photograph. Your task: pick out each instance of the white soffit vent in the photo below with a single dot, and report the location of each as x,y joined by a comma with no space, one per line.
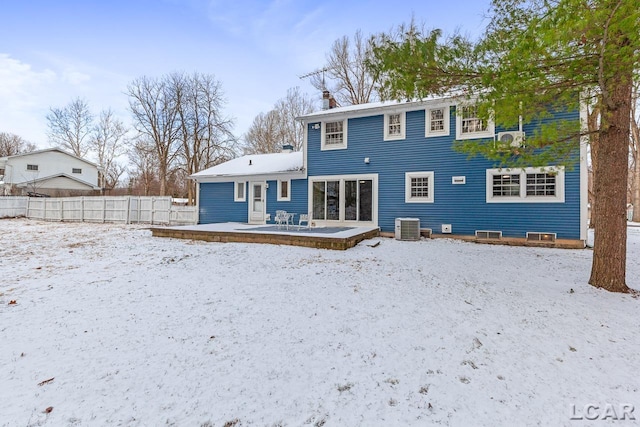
407,229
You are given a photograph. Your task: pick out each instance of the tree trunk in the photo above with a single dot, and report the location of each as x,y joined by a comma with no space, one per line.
592,127
163,180
608,270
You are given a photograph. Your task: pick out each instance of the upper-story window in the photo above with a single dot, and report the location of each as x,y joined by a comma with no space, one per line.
437,121
394,126
334,135
470,125
32,167
76,170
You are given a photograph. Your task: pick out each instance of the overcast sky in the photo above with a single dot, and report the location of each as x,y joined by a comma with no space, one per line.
52,51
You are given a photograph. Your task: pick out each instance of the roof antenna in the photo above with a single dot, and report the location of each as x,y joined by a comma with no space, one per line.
315,73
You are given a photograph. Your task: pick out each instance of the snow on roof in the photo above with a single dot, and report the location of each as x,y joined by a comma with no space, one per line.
255,164
374,106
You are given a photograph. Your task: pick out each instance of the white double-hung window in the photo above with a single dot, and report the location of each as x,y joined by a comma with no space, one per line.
437,121
394,126
334,135
470,125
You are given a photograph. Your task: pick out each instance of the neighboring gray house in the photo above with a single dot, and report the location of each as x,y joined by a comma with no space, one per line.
51,172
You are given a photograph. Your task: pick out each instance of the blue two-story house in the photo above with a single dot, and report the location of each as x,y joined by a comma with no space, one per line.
369,164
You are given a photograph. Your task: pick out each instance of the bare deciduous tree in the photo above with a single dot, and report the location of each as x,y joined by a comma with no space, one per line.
155,117
205,134
182,115
345,75
70,126
270,131
144,163
108,141
264,135
12,144
295,104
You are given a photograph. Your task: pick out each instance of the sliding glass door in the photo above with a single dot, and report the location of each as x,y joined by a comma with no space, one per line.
345,199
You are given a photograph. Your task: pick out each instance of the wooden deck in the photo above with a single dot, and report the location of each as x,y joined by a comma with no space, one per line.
338,238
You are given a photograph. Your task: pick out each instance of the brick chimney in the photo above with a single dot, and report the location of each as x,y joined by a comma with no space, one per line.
326,100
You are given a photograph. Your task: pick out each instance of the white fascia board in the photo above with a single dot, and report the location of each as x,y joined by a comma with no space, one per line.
264,177
374,109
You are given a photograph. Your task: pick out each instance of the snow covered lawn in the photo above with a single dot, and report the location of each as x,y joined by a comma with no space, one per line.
135,330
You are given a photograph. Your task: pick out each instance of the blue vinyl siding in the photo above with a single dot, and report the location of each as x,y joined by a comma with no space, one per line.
462,206
217,204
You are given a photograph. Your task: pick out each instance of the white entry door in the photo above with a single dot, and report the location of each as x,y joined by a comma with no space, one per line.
257,203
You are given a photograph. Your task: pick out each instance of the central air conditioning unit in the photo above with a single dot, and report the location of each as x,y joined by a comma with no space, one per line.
407,229
510,139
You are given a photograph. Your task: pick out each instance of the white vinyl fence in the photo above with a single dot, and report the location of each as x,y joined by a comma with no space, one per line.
13,206
126,209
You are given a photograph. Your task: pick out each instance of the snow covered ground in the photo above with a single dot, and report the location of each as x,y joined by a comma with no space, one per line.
140,331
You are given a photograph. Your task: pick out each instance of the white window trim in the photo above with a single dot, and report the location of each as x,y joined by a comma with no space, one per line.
324,146
403,125
523,198
488,133
280,198
407,187
235,191
427,116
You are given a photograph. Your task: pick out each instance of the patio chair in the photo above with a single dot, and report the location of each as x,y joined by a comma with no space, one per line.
304,218
282,218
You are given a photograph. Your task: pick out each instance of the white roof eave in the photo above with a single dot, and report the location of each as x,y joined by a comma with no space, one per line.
297,174
378,108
